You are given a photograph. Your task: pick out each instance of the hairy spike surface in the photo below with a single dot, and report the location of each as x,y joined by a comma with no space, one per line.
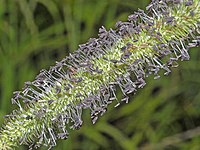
87,79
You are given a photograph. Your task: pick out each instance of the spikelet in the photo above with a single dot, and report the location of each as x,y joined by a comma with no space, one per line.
87,79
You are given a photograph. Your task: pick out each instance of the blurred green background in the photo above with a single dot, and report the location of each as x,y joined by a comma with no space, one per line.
36,33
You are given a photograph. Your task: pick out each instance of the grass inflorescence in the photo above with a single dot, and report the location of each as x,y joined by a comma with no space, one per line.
53,103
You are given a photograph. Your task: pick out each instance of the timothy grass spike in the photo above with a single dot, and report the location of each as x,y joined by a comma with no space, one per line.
53,103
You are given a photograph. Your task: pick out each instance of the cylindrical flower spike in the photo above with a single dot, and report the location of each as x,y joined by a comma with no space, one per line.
124,57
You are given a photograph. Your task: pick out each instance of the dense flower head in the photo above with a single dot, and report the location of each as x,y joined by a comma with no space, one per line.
87,79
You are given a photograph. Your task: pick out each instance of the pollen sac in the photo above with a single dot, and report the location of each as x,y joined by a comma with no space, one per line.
189,3
50,101
124,48
169,20
133,17
62,135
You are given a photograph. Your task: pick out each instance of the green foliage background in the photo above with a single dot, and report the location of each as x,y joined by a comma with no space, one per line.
36,33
